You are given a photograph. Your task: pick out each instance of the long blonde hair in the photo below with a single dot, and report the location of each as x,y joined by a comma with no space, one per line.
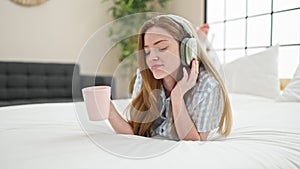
144,107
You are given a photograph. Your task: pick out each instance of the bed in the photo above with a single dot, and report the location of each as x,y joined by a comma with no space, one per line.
265,134
38,131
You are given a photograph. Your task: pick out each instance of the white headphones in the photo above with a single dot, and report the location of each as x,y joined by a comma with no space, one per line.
188,46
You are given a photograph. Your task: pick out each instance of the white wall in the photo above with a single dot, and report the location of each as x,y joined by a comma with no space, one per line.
57,30
193,10
52,32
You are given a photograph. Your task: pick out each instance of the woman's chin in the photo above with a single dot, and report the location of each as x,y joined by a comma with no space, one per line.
159,74
158,77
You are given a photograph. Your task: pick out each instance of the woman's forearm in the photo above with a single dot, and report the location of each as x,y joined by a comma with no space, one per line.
118,123
185,127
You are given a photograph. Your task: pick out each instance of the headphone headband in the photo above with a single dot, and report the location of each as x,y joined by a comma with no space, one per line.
188,45
182,23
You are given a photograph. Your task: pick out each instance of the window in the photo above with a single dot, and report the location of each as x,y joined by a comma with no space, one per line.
244,27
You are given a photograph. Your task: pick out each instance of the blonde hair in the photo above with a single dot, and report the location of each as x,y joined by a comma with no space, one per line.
144,107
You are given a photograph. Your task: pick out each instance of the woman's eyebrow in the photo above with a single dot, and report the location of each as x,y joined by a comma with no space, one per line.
157,42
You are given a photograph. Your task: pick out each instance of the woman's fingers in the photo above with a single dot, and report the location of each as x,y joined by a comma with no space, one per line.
185,75
192,67
195,67
189,78
193,75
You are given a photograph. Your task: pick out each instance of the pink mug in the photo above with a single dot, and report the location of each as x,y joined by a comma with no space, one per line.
97,102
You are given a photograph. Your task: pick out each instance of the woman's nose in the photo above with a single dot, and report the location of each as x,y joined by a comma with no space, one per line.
154,56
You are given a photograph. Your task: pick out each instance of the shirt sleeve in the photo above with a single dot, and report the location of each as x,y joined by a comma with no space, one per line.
137,84
208,109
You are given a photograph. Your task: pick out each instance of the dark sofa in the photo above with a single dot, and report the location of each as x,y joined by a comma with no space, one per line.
29,82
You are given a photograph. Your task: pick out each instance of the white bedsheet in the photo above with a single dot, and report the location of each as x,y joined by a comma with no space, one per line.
266,134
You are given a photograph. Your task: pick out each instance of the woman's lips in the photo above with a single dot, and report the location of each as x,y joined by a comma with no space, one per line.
156,67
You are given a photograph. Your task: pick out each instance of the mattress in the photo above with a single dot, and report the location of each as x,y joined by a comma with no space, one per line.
265,134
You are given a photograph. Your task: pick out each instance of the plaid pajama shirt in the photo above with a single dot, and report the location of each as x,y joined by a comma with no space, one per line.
204,103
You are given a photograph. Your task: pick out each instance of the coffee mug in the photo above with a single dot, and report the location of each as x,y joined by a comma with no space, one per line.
97,102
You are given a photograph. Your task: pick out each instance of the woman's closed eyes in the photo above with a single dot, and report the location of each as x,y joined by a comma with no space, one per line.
147,52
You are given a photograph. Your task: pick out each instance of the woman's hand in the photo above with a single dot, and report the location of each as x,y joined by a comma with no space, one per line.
188,80
185,127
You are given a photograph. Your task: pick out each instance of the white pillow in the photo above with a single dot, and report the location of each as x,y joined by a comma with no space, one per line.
255,74
292,90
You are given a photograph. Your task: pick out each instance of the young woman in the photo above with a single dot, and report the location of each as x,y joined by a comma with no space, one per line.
178,93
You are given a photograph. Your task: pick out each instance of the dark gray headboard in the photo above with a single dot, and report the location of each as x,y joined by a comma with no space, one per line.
27,82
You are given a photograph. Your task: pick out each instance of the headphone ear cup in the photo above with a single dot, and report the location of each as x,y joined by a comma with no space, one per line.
183,52
190,50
